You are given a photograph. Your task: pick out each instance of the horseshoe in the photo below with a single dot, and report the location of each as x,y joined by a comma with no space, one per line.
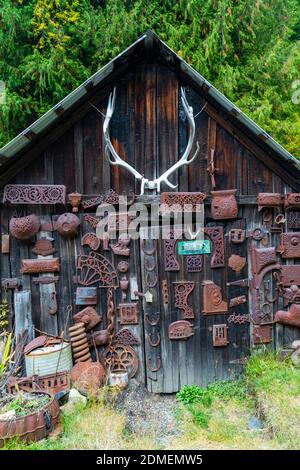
151,251
149,283
152,322
151,341
158,364
149,268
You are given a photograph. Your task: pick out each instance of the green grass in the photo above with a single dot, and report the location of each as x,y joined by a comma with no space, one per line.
215,417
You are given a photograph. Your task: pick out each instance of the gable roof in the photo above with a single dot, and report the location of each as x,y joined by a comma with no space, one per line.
149,45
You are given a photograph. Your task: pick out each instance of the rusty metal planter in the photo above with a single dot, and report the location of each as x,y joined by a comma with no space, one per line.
32,427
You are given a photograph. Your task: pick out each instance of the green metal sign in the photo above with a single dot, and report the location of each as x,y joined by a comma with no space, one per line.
194,247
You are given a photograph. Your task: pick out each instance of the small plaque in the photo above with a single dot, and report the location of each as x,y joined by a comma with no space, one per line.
194,247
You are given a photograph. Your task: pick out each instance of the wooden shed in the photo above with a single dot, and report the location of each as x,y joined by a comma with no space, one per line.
237,292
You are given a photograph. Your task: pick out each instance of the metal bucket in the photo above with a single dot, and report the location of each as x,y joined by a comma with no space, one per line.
49,360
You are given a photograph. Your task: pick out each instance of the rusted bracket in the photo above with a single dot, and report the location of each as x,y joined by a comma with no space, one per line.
13,283
45,279
239,283
181,292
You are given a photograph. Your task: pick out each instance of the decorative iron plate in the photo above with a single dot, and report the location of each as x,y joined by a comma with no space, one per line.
262,333
191,202
95,268
34,194
224,204
212,299
193,263
128,313
216,234
181,329
29,266
181,292
220,335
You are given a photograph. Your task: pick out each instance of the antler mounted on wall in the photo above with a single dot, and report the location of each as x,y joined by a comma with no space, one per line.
115,159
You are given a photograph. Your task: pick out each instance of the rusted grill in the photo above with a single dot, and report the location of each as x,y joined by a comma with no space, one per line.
220,335
262,333
293,220
216,234
128,313
95,268
170,258
34,194
290,245
193,263
191,202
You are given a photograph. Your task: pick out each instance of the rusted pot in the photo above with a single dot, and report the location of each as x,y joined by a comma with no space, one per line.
75,200
88,377
224,204
67,225
24,228
32,427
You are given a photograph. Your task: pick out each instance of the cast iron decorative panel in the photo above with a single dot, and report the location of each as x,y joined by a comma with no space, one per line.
216,234
290,274
181,292
29,266
128,313
237,235
170,259
237,263
91,240
183,201
293,220
291,200
95,268
241,299
181,329
93,221
220,335
34,194
224,204
262,257
290,244
120,358
43,247
268,200
262,333
193,263
125,336
212,299
238,319
109,197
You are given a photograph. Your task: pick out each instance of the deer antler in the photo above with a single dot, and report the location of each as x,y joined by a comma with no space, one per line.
115,159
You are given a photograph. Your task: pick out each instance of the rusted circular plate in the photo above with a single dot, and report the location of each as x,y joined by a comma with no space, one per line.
36,343
88,376
120,357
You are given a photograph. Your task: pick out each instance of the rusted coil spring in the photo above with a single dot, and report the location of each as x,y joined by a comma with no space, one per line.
79,341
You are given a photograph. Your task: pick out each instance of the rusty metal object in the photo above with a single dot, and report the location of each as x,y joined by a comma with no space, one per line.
29,266
153,340
237,236
158,364
216,234
212,169
45,279
291,295
34,194
89,317
120,358
79,342
237,263
165,291
95,268
149,251
238,319
152,320
52,383
239,282
262,334
181,329
93,221
291,200
224,204
125,336
86,296
121,247
290,274
241,299
24,228
5,244
13,283
268,200
38,342
75,201
181,292
110,316
91,240
145,295
258,233
220,335
262,257
128,313
98,338
109,197
290,317
52,307
124,283
170,258
290,245
150,267
293,220
119,222
43,247
193,263
32,427
187,201
67,225
123,266
88,377
212,299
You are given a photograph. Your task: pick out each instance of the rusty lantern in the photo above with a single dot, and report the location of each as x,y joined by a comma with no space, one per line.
67,225
24,228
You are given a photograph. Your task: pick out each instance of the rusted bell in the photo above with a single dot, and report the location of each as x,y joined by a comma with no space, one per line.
24,228
67,225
